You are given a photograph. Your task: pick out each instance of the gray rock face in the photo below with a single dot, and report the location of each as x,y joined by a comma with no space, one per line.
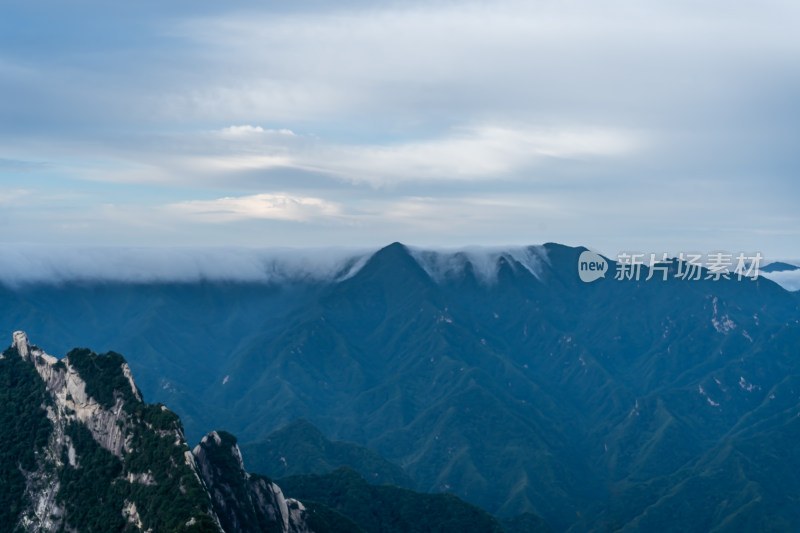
72,403
244,502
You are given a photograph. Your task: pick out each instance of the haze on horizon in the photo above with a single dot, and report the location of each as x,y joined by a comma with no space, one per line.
624,125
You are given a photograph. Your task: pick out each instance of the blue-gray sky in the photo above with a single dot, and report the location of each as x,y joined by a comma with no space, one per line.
620,125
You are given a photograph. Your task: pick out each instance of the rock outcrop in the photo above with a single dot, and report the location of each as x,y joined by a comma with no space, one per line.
103,459
244,502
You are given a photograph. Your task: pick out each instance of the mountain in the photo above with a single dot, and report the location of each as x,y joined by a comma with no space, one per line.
177,335
779,266
301,448
496,375
83,452
531,392
242,501
525,523
392,509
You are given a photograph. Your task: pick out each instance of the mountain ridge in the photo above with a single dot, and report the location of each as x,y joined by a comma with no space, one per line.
301,448
104,441
604,389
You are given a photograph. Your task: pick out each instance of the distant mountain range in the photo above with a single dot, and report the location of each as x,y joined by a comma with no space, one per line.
498,376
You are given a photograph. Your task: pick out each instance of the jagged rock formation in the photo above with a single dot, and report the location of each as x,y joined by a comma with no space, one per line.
242,501
71,401
99,459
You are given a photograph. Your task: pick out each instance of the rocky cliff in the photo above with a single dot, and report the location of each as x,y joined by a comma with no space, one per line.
242,501
83,452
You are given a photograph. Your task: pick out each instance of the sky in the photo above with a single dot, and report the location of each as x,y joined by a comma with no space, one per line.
618,125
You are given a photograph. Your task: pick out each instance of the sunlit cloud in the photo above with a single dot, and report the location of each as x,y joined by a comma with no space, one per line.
247,129
257,206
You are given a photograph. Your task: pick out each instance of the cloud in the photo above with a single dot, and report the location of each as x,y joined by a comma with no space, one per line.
247,129
241,130
789,280
13,196
24,265
446,264
625,60
617,124
480,153
258,206
20,265
20,166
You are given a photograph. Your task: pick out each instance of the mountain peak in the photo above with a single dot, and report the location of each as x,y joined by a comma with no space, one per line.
779,266
21,344
391,263
395,252
244,502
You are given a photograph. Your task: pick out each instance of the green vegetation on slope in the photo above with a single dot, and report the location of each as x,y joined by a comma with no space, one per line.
95,485
526,523
95,490
93,479
301,448
323,519
103,376
176,495
24,430
387,509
